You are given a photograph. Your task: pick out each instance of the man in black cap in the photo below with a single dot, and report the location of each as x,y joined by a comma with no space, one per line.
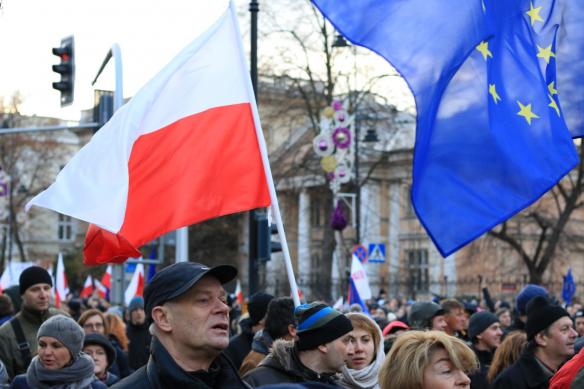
550,342
18,336
186,307
427,315
240,345
485,333
321,350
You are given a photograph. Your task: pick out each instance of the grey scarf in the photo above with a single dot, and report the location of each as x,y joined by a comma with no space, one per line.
78,375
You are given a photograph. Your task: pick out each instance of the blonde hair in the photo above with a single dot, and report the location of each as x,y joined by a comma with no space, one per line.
117,328
411,353
362,322
507,353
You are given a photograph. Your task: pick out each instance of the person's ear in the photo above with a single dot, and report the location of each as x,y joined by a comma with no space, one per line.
292,330
323,348
162,317
540,339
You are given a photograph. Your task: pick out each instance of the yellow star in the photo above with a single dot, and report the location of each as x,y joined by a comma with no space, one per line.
493,92
533,14
526,112
545,53
554,105
552,88
483,47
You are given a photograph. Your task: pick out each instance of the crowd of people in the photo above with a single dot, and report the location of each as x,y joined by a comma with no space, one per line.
186,332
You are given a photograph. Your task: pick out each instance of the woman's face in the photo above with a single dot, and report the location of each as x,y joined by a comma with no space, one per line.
94,324
364,349
52,353
442,374
99,356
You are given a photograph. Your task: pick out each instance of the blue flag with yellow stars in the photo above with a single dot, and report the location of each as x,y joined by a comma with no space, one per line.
491,136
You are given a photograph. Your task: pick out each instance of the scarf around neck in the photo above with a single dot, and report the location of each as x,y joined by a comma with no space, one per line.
78,375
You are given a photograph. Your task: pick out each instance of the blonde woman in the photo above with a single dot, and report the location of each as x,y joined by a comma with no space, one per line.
363,365
427,360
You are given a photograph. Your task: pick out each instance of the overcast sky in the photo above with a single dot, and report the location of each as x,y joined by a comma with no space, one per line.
149,33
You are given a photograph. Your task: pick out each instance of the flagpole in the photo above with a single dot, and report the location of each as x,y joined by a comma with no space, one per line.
268,171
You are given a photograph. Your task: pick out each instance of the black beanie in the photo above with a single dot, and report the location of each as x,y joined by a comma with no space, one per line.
258,306
541,314
479,322
319,324
33,275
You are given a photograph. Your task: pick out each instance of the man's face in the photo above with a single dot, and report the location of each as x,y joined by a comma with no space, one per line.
137,316
559,342
338,352
455,319
37,297
439,323
580,325
491,337
200,317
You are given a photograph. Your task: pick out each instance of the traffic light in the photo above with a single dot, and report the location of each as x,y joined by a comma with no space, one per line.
66,69
275,247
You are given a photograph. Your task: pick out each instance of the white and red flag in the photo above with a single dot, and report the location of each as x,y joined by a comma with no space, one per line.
87,290
186,148
102,291
136,286
61,288
106,279
238,293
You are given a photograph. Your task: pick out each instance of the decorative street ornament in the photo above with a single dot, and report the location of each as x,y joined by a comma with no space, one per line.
338,219
335,144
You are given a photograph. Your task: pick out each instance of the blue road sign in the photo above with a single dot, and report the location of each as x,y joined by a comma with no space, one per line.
377,252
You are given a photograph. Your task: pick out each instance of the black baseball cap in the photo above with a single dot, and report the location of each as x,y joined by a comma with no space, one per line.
176,279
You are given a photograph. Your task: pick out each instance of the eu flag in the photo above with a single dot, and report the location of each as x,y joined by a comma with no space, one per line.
491,136
569,287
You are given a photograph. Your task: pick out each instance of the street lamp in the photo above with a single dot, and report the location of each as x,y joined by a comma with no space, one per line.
370,137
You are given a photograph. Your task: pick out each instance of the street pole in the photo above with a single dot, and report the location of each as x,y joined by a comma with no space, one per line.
358,184
255,214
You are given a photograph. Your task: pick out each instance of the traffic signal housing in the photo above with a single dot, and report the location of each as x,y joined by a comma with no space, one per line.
66,69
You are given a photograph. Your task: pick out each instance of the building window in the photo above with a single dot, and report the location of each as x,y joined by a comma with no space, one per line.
419,274
315,213
65,228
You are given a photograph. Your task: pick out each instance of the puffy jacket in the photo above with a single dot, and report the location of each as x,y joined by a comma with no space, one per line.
162,372
139,347
571,375
282,365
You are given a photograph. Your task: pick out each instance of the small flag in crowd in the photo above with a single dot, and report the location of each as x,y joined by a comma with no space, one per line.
359,289
491,134
87,290
339,303
239,293
136,286
186,142
61,289
106,279
102,291
569,287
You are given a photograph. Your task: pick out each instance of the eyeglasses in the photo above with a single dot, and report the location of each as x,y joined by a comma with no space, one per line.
95,326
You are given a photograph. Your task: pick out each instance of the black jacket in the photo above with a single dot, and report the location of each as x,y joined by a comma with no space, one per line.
139,347
478,380
523,374
282,365
162,372
240,345
120,367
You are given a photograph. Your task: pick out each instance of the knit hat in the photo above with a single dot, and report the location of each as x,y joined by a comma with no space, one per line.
319,324
66,331
422,313
479,322
136,303
528,292
33,275
100,340
541,314
258,306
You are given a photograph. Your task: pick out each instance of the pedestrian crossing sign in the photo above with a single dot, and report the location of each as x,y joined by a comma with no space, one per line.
377,252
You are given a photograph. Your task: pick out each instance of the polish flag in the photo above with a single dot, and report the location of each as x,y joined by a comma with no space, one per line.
61,288
106,279
188,147
101,289
87,287
238,293
136,286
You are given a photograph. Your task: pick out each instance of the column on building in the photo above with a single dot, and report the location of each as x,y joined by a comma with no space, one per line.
371,229
393,238
450,274
304,243
435,269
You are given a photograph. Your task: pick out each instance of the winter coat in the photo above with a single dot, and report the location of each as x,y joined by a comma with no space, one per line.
260,347
20,383
523,374
30,321
139,347
571,375
282,365
121,366
162,372
240,345
478,380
